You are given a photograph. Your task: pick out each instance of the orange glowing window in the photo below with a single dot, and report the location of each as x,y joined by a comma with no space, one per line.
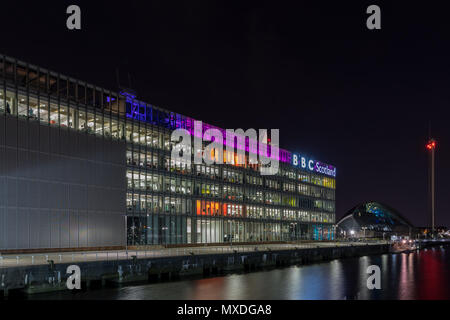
208,209
199,208
216,209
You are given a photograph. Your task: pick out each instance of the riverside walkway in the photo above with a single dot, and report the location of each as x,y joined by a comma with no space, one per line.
21,260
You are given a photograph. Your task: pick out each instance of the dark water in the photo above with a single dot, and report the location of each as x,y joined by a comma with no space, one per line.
418,275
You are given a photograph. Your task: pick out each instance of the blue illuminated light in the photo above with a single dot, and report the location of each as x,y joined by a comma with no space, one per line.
381,216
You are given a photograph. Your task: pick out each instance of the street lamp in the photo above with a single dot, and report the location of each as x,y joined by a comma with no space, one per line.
364,229
164,235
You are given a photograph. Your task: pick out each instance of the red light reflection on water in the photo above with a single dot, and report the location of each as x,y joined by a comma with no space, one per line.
208,289
432,276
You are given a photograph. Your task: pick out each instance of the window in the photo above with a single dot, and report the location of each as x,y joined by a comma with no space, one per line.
54,114
90,122
82,121
43,112
99,124
64,116
33,108
22,106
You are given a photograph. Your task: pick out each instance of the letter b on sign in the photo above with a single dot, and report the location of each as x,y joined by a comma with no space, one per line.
74,280
374,281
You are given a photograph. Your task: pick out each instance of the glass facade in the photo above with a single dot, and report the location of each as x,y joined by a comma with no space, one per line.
373,219
171,202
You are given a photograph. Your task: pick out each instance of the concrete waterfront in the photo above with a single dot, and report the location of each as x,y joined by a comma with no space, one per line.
36,273
16,260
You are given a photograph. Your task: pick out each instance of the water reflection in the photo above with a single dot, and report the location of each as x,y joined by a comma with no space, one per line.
417,275
433,283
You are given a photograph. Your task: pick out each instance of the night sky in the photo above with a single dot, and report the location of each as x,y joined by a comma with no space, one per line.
340,93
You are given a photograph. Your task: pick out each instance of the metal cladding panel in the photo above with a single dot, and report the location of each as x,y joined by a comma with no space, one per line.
11,192
44,139
11,132
44,195
11,162
11,228
2,227
22,135
55,229
22,228
64,227
33,188
55,141
22,163
2,131
2,165
22,185
34,165
74,232
59,188
65,147
34,218
33,136
44,230
83,229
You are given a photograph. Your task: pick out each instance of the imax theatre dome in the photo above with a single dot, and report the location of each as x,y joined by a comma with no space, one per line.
373,220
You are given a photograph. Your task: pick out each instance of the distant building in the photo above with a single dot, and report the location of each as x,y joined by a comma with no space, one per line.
425,232
374,220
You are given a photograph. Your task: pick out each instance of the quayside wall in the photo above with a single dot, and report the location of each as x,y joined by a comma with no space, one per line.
53,277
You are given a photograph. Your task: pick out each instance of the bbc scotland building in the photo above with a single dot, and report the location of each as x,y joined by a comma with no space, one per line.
82,167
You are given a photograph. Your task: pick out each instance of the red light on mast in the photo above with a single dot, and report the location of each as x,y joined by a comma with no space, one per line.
431,145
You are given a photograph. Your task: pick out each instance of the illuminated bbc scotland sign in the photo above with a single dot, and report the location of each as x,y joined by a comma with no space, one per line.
313,165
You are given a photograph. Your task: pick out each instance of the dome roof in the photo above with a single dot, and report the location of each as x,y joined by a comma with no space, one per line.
374,216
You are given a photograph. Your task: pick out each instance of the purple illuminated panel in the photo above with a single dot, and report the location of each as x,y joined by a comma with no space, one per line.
282,156
139,111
